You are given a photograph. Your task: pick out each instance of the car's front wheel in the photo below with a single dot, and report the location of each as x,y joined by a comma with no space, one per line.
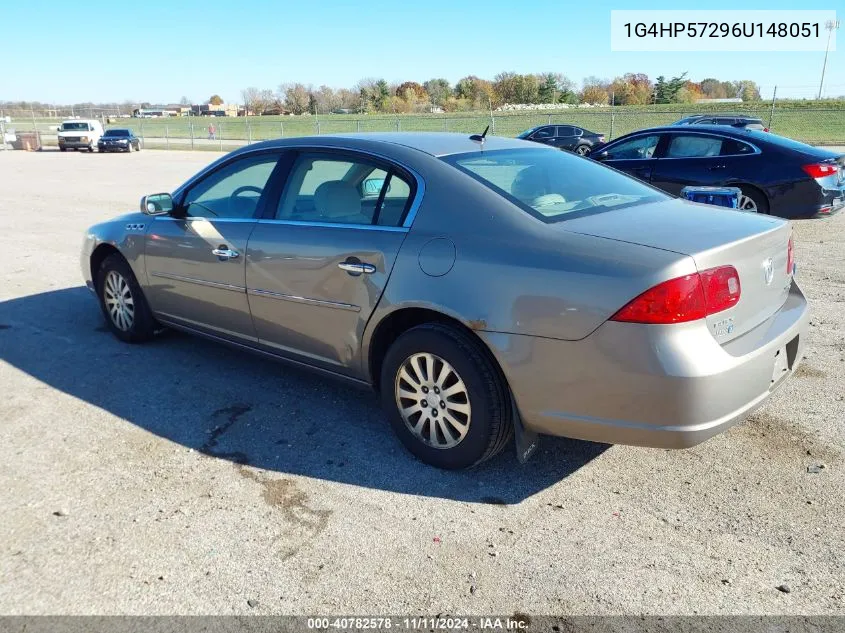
445,397
122,301
583,150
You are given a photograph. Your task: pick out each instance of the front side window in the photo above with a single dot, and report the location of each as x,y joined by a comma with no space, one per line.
546,132
333,189
232,191
635,148
694,146
553,186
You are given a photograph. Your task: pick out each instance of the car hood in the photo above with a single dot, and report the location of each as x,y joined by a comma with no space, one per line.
114,138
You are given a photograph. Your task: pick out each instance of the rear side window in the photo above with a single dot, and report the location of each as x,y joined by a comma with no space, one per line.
732,147
694,146
553,185
565,130
325,188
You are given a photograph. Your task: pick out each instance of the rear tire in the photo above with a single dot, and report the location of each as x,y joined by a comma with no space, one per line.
62,149
445,397
753,200
122,301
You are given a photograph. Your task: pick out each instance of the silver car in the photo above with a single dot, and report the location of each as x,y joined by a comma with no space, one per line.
480,285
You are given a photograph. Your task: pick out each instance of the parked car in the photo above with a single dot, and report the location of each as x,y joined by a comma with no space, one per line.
777,175
735,120
119,140
478,292
79,134
568,137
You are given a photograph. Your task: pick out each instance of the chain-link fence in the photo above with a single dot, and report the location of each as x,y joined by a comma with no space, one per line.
816,125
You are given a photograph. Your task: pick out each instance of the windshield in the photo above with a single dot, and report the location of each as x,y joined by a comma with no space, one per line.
552,185
75,125
116,133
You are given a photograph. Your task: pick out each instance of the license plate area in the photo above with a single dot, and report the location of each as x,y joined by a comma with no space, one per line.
784,361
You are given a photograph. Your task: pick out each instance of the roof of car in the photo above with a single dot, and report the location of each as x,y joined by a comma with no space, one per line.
433,143
717,115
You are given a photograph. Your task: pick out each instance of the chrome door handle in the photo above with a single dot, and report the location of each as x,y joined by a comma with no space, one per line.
225,253
356,268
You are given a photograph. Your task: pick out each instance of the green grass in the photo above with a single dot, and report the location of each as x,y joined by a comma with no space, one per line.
813,122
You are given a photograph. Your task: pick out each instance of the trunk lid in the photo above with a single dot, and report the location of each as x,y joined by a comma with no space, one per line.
756,245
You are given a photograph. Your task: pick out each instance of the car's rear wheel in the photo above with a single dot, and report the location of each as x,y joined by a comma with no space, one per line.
122,301
583,150
752,200
62,149
445,397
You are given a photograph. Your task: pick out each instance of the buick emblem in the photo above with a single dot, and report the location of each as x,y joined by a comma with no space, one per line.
769,270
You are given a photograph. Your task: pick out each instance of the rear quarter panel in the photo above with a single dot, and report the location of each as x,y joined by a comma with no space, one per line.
513,273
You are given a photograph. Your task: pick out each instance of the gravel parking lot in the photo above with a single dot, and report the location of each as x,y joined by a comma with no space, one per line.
123,489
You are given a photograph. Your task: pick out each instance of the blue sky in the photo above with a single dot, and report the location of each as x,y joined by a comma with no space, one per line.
160,50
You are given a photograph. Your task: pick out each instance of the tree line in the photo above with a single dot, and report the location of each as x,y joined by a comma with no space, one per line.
474,93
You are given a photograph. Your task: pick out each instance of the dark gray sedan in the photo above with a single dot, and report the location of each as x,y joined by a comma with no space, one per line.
481,286
119,140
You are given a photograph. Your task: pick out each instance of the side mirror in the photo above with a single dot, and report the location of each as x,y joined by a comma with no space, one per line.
157,204
372,186
600,156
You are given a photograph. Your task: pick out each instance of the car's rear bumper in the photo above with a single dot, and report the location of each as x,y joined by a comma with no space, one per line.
659,386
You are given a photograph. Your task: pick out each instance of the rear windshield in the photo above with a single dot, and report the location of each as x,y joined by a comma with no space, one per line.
116,133
552,185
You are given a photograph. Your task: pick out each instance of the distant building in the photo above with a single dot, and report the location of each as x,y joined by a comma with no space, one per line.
207,109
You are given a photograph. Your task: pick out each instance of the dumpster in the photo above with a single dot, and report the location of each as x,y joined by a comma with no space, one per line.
29,141
718,196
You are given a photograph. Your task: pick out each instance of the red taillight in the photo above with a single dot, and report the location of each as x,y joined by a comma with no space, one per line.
765,129
820,170
790,256
684,299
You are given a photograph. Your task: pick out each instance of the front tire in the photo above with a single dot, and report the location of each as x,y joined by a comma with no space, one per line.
445,397
122,301
583,150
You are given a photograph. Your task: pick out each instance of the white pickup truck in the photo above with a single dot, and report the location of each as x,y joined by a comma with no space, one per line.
79,134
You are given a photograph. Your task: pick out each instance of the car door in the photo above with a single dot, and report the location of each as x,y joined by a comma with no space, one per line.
318,262
701,159
195,257
635,155
545,135
567,137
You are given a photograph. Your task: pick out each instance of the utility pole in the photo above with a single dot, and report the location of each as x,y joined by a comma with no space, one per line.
831,26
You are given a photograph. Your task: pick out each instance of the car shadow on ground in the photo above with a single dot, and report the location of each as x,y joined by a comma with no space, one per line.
237,406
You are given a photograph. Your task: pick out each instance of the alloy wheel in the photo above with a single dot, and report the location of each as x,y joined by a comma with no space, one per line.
433,400
119,302
747,204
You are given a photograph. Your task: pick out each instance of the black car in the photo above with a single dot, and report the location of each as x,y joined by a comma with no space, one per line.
777,175
568,137
119,140
735,120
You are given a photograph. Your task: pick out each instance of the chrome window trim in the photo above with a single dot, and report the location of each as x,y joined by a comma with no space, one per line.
412,210
338,225
306,300
197,218
722,136
200,282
